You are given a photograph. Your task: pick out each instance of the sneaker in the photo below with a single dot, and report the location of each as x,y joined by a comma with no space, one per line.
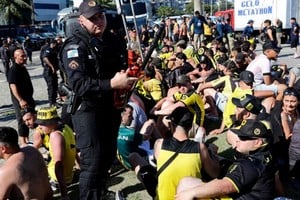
110,195
54,186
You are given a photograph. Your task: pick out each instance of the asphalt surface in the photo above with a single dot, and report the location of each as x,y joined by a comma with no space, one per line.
121,179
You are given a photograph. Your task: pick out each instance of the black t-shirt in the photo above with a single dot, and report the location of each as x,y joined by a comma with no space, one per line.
145,41
186,68
19,76
253,176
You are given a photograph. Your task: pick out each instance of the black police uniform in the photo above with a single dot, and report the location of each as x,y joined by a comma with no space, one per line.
90,63
50,77
253,175
5,57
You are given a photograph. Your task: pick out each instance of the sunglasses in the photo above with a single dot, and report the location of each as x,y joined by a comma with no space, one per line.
244,138
290,93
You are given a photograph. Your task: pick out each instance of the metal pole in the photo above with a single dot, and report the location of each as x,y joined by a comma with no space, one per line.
120,12
210,7
136,28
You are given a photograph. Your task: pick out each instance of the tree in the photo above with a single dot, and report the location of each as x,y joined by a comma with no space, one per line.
107,3
13,11
189,8
165,11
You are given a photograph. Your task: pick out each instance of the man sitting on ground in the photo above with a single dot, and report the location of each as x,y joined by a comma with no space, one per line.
61,148
24,173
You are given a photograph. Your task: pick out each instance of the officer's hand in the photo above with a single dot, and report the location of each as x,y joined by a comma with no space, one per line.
122,81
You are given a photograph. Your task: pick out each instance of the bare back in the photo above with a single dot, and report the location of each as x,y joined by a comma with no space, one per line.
25,176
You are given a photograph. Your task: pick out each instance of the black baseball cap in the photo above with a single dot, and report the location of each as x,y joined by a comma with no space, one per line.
182,116
251,129
247,76
249,102
90,8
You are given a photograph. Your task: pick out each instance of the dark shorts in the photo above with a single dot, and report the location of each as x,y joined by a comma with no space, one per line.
294,42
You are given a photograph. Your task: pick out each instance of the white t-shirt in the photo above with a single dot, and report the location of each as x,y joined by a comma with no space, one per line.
259,66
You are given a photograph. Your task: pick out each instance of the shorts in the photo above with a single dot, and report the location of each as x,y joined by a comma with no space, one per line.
271,87
294,42
221,101
296,71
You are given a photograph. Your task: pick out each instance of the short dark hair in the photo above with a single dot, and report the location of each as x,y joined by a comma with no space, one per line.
28,110
267,21
9,136
150,71
128,106
182,46
181,55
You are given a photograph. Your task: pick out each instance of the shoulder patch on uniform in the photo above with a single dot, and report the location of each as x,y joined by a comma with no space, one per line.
72,53
73,46
73,64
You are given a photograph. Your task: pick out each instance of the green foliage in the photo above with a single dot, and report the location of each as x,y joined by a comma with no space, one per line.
225,5
189,8
165,11
107,3
14,10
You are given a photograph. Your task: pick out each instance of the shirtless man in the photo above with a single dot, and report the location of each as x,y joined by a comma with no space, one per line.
24,170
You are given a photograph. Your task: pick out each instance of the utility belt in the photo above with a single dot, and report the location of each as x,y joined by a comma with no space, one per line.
73,101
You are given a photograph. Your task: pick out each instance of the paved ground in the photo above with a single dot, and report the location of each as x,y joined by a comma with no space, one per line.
121,179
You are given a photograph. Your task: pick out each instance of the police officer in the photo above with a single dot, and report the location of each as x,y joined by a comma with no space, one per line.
50,64
91,61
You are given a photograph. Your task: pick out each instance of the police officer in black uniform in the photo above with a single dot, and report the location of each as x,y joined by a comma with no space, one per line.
250,176
50,64
91,60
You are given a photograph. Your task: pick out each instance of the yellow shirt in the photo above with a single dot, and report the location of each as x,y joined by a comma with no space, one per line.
228,85
194,103
187,163
229,110
207,30
69,155
153,86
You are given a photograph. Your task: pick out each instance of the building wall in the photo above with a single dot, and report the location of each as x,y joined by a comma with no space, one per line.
47,10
